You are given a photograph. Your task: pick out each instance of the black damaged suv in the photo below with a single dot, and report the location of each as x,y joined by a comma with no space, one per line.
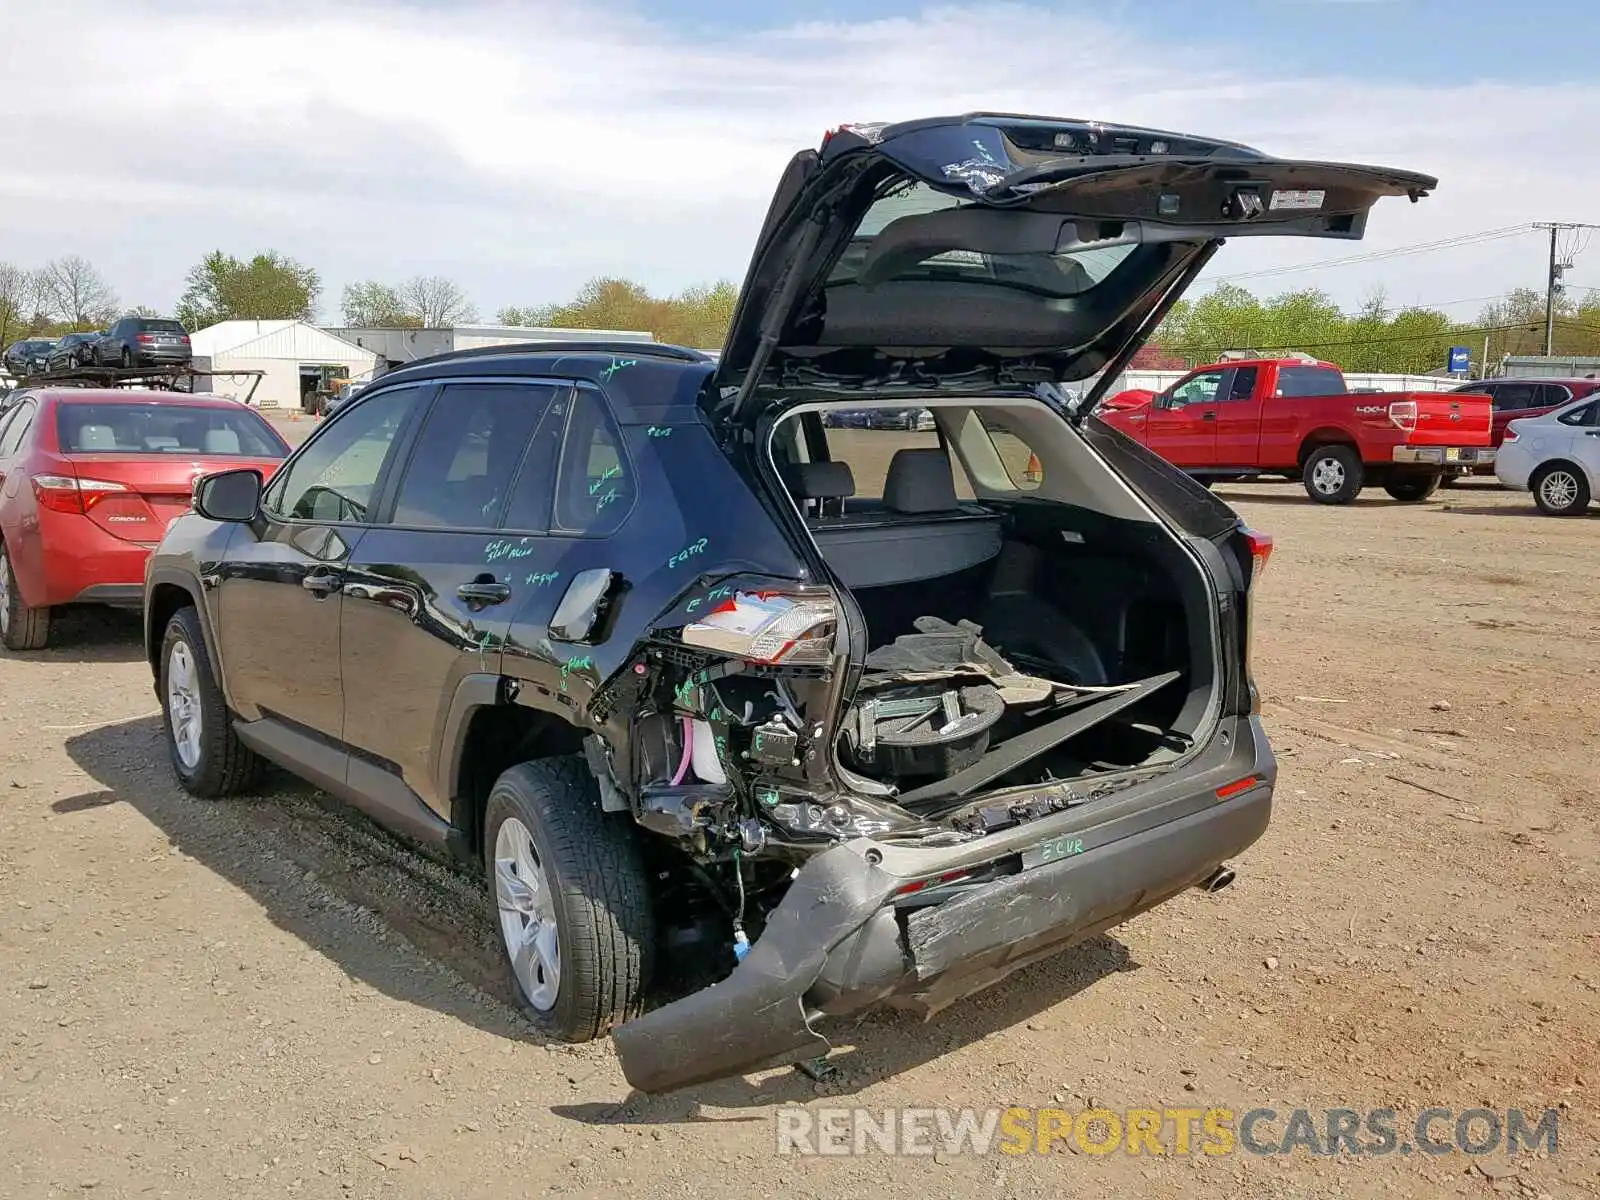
823,716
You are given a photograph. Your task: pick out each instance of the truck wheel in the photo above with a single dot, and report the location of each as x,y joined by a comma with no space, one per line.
207,755
573,897
1333,474
1560,490
1412,488
21,627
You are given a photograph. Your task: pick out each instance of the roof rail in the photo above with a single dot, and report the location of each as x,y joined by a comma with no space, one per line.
648,349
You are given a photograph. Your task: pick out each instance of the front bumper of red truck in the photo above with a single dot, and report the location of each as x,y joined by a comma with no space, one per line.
1445,456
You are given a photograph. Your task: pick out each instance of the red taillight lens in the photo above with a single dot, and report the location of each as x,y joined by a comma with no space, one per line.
147,337
936,881
64,493
1260,551
769,627
1510,434
1403,413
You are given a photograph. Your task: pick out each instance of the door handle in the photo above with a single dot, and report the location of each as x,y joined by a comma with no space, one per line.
1208,416
480,593
1586,433
320,585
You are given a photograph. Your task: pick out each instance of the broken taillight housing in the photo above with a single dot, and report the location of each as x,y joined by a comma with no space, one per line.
1403,414
769,627
1260,546
1260,551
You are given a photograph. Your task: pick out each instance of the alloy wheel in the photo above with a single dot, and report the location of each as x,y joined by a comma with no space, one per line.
1559,489
1327,476
527,915
183,705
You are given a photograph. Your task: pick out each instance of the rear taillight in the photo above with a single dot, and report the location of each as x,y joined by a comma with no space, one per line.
1510,434
1260,551
65,493
147,337
770,628
1403,413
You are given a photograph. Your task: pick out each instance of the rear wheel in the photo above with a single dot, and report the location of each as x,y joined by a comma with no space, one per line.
127,357
1412,488
21,627
207,755
1560,490
573,898
1333,474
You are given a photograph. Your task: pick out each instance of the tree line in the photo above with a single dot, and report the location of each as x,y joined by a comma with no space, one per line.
69,295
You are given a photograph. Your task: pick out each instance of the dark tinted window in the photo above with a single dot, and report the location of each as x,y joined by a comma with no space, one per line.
1584,415
1552,395
466,457
1512,397
151,326
594,482
16,429
333,477
1244,384
164,429
1310,381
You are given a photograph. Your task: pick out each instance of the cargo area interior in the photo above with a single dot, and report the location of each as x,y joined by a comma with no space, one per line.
1001,541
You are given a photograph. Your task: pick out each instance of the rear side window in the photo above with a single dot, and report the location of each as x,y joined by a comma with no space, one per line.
1310,381
165,429
17,426
1513,397
466,458
1552,395
1584,415
595,487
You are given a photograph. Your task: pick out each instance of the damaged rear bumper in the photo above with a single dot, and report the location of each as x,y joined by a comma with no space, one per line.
837,944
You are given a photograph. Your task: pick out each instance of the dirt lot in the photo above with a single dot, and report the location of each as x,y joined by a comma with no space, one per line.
266,997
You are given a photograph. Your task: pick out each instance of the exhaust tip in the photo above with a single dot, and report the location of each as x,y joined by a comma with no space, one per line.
1217,880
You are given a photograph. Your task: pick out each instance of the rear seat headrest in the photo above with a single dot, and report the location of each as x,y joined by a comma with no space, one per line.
820,480
919,481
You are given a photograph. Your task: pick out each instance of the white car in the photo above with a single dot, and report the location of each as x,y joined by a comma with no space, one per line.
1555,456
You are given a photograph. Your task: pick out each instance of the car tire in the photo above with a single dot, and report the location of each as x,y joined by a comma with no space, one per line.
1333,474
127,359
21,627
1560,490
1412,489
74,363
207,755
572,896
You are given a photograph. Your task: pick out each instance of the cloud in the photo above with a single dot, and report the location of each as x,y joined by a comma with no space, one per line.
522,149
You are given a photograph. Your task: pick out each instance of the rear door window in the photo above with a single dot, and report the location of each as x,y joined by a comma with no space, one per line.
1584,415
1513,397
462,470
1552,395
1310,381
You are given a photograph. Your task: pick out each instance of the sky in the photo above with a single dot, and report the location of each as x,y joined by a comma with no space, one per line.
523,148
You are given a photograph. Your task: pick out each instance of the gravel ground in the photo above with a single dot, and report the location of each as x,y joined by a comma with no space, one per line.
270,997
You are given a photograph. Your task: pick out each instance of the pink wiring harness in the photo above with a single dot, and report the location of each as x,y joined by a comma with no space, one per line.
688,752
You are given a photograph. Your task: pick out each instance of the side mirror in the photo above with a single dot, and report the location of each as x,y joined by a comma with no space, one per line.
233,496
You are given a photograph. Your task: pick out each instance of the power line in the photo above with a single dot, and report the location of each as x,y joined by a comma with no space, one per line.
1453,243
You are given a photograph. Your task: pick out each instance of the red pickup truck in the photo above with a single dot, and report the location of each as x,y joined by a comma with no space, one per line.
1297,418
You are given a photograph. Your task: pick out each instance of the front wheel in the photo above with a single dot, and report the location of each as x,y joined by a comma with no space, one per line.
1560,490
1333,474
1412,489
573,898
21,627
207,755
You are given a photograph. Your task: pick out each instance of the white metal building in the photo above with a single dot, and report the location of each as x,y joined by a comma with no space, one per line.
294,357
396,347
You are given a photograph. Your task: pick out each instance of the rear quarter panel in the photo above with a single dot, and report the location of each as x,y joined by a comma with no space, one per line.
1292,425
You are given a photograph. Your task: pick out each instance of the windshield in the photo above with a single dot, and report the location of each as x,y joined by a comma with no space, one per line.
1068,273
85,428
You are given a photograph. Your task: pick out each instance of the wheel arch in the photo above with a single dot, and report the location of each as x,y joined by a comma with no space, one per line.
1326,435
487,732
165,592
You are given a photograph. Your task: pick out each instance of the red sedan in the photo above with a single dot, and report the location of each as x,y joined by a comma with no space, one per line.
89,481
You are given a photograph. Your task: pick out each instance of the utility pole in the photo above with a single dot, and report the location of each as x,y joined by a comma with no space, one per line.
1559,263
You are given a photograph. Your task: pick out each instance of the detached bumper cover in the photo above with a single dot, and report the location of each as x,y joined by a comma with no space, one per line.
836,945
1445,456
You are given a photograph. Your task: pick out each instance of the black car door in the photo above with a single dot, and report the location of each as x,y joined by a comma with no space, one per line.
431,588
278,594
